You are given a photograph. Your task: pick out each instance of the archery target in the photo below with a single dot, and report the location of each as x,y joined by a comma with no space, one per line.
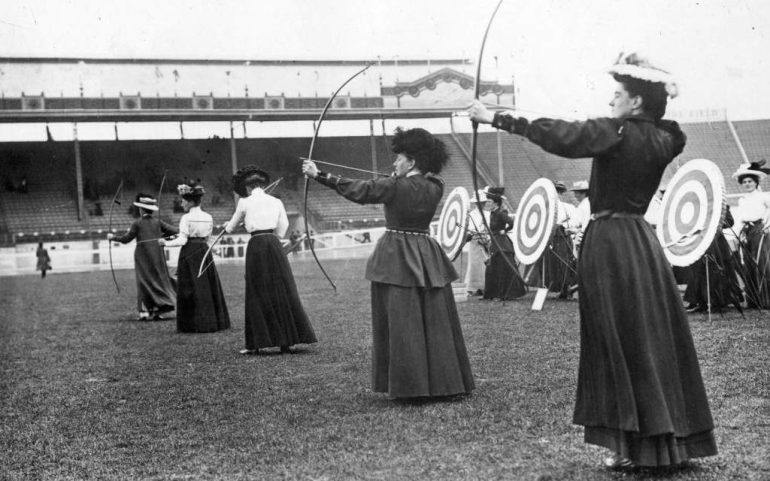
453,222
692,211
535,219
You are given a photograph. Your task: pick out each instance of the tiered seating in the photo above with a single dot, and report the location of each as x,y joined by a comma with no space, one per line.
50,205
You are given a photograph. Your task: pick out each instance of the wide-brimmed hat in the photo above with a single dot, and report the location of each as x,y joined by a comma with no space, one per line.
495,193
579,186
753,168
636,66
482,195
146,201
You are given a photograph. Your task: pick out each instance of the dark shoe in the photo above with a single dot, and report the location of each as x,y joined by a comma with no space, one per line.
617,462
286,350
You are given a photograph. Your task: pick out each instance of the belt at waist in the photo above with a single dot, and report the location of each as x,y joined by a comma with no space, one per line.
609,214
197,239
413,232
261,232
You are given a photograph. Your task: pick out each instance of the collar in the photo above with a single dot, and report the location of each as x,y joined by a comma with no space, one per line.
257,191
412,172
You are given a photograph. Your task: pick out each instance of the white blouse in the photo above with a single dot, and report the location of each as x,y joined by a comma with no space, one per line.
752,207
195,223
260,211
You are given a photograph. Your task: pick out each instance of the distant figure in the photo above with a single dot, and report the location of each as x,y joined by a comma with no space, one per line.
23,187
200,302
155,290
274,314
43,261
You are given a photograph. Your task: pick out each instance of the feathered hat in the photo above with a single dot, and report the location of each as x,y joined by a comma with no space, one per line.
495,193
639,67
190,190
753,168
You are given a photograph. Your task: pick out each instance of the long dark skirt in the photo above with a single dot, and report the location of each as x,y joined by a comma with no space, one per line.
500,281
754,266
418,348
274,314
640,391
556,268
721,286
155,289
200,303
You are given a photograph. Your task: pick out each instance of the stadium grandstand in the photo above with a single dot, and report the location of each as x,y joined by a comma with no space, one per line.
57,180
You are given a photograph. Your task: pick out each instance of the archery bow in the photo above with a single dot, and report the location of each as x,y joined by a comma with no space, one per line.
474,141
109,230
203,268
310,156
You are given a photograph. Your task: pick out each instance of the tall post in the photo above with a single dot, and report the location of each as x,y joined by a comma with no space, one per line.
78,171
373,144
500,171
233,156
737,139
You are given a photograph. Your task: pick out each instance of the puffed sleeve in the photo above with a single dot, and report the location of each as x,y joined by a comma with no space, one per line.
238,216
283,221
184,233
377,191
566,139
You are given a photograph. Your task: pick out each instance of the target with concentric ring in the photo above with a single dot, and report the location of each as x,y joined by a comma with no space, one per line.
692,211
453,222
535,219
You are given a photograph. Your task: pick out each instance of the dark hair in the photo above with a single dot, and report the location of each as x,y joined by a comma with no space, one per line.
755,177
196,195
428,152
249,176
653,94
496,199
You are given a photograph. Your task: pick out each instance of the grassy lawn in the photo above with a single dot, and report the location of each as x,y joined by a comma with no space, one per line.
86,392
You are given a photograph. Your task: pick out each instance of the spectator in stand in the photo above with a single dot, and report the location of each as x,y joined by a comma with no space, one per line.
418,348
200,302
639,391
23,187
155,289
43,261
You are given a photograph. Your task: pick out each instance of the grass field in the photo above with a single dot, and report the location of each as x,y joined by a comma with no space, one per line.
86,392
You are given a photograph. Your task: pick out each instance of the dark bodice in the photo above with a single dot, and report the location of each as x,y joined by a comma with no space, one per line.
402,257
630,155
409,202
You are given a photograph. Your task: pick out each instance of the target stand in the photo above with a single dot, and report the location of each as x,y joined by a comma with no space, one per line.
692,212
533,227
453,229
